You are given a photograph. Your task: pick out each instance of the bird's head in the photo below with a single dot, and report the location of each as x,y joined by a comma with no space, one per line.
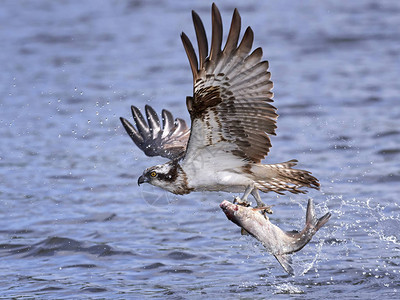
168,176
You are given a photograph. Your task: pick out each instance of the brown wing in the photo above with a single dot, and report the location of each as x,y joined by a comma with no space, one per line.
231,92
169,141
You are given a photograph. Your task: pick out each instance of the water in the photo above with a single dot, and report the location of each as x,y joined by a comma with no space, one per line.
73,221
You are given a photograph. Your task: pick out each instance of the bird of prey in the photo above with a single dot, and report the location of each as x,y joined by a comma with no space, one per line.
231,122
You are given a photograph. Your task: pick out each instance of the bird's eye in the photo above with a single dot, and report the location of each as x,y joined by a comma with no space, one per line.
153,174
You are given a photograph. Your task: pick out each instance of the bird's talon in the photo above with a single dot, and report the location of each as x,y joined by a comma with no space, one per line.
241,202
268,210
265,209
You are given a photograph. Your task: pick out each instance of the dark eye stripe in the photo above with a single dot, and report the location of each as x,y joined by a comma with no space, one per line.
170,176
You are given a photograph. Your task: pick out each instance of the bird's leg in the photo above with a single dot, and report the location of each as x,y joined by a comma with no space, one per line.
243,201
265,208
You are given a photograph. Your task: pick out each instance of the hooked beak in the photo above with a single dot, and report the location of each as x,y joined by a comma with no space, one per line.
141,180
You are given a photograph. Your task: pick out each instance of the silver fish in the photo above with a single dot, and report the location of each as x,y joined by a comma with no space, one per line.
278,242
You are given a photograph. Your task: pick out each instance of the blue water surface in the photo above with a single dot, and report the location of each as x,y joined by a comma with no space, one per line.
74,223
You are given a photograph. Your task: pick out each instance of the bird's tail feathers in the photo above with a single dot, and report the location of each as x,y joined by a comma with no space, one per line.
282,177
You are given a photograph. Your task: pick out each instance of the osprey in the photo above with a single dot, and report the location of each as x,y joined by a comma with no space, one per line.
231,121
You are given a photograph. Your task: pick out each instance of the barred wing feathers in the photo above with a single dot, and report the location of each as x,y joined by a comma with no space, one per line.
168,141
231,93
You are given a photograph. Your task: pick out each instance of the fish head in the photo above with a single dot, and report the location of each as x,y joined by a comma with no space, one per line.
233,212
228,208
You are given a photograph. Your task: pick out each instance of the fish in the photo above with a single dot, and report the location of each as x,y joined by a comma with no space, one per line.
278,242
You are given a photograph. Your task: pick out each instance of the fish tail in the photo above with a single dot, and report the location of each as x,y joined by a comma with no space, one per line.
311,220
286,262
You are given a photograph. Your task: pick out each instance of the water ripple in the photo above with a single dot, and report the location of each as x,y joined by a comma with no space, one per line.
53,245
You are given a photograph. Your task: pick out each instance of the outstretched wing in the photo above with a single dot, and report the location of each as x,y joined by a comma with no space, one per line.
231,99
169,141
